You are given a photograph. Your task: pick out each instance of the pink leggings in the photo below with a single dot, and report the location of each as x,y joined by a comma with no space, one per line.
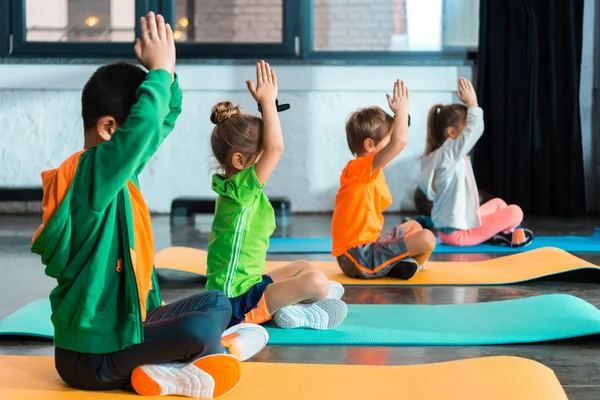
496,217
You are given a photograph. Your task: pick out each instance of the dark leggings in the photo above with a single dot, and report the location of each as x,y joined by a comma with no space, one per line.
180,331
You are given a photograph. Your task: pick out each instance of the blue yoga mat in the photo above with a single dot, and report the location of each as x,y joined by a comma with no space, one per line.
528,320
573,244
533,319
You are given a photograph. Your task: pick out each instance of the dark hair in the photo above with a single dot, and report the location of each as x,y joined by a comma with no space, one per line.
367,123
442,117
235,132
111,91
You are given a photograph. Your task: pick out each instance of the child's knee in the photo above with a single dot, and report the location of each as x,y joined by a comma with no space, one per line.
316,283
219,299
411,226
516,213
198,330
305,266
428,239
499,203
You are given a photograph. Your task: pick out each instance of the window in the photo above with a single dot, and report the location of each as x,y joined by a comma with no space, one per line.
370,30
235,28
80,20
229,21
349,27
75,27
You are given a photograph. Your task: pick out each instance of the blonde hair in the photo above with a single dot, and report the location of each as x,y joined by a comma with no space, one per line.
367,123
235,132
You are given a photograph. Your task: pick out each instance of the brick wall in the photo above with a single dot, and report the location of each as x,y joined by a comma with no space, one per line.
356,24
338,24
238,21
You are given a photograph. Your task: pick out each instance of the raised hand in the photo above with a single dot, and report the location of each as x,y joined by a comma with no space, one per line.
265,92
399,101
156,48
466,92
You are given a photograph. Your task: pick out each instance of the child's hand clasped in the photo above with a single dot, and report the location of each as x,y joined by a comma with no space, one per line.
466,92
399,102
156,48
265,92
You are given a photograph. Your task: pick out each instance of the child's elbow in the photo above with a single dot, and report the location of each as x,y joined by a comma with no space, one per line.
275,148
399,144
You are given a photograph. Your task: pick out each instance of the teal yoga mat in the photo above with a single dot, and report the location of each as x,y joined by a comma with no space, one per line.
32,319
532,319
527,320
573,244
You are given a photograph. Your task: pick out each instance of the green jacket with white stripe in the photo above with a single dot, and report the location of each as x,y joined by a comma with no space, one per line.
244,221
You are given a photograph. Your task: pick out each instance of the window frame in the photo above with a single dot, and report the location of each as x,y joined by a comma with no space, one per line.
284,50
21,47
307,51
4,28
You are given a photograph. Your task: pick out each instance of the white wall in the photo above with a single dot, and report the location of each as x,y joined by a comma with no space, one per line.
41,126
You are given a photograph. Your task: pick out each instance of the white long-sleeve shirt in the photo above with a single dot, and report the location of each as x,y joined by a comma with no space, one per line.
455,196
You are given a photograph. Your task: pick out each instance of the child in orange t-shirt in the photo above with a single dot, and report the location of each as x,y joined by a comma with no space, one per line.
375,138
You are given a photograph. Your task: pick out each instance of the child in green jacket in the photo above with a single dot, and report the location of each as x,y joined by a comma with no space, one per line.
111,326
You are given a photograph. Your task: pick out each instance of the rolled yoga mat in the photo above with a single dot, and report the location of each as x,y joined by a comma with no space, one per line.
322,245
510,269
526,320
489,378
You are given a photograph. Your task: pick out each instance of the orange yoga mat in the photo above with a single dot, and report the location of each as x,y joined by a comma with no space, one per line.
490,378
514,268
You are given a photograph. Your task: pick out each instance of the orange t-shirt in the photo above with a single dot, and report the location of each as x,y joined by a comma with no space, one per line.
359,205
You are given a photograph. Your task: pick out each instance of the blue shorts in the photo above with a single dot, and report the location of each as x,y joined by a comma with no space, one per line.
243,304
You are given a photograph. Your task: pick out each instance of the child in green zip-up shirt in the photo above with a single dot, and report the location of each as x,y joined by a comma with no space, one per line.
248,149
111,328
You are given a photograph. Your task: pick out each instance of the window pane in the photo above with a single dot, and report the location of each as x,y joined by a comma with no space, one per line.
395,25
80,20
229,21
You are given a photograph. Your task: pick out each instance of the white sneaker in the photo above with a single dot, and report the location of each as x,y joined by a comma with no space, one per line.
245,340
336,290
323,314
205,378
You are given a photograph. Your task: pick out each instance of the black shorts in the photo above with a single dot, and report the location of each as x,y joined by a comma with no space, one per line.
378,259
244,303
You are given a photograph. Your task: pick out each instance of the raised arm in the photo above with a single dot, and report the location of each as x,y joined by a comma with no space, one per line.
399,103
174,106
147,125
464,143
169,121
265,93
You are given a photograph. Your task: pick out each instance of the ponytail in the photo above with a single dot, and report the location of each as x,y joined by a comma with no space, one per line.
441,117
435,131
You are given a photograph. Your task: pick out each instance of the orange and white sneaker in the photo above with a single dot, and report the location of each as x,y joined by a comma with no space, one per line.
245,340
205,378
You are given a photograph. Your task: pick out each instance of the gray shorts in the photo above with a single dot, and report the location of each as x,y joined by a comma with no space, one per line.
380,258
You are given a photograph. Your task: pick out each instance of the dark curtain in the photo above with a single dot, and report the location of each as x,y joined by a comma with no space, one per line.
528,85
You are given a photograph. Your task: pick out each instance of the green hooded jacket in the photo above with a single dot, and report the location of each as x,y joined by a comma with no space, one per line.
96,238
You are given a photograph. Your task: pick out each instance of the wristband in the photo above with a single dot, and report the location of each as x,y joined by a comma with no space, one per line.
280,108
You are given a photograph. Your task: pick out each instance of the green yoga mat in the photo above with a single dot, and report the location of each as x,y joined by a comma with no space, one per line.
527,320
